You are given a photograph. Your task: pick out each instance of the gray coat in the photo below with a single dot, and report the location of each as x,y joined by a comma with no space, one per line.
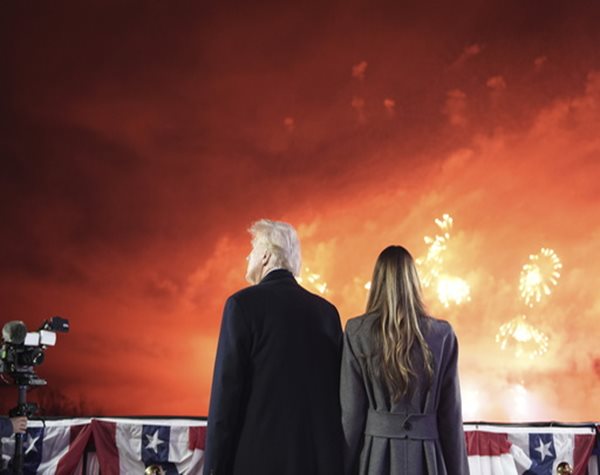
420,434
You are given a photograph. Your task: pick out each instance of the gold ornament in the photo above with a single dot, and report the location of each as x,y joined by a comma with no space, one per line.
154,470
564,469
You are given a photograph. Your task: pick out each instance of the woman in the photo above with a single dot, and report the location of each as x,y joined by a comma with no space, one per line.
400,395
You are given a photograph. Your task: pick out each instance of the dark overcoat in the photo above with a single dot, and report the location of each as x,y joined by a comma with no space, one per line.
274,406
420,434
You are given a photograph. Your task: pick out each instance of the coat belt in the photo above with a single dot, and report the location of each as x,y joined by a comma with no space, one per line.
401,426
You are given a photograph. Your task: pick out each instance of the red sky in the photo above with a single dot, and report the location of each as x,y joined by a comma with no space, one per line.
140,140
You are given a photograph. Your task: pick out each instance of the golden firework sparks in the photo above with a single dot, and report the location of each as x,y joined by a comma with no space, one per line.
314,281
539,276
450,289
431,264
453,290
524,339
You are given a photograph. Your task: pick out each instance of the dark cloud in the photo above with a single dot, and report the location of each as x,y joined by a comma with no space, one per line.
139,141
455,107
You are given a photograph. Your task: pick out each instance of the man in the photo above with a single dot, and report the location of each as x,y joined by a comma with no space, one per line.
8,427
274,406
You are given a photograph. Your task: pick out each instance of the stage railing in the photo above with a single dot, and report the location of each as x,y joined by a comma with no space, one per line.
174,445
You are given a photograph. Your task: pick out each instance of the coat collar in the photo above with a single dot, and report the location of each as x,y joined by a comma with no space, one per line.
278,274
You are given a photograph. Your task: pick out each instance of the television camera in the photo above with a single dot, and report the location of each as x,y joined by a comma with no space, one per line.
21,351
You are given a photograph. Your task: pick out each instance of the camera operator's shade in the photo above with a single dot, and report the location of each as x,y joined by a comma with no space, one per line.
14,332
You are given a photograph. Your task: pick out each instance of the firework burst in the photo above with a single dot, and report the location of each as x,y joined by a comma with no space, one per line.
539,276
525,340
431,264
314,281
450,289
453,290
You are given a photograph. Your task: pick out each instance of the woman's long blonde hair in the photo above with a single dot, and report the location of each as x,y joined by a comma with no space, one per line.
395,298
